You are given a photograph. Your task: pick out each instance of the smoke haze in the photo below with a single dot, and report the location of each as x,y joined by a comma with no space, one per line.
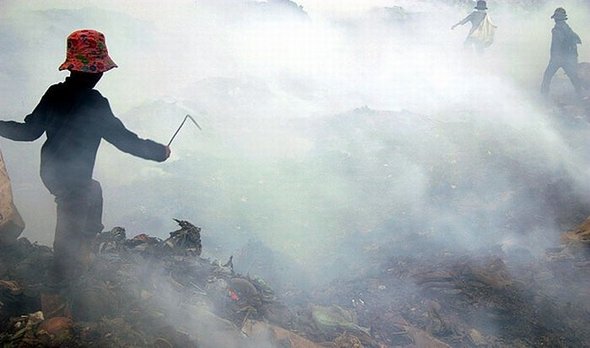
329,129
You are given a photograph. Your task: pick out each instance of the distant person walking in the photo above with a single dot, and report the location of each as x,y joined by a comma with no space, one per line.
481,34
564,53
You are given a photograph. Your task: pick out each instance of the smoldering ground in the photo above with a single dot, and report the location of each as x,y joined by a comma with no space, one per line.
329,130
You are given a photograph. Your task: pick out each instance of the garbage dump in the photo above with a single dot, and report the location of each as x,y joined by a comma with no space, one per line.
148,292
145,291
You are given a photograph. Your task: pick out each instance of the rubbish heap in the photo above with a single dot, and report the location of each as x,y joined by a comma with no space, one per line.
145,291
492,297
148,292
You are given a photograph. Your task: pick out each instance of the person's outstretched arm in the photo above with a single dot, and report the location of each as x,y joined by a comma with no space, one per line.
115,132
29,130
465,20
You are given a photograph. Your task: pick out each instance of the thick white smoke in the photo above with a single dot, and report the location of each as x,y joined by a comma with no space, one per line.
327,128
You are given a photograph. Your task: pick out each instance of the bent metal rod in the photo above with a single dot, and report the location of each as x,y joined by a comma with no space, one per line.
182,124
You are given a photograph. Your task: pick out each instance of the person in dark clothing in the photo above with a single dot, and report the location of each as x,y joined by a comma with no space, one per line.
564,52
75,118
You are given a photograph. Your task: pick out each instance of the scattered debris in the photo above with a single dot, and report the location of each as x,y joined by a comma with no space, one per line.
278,336
333,320
145,291
187,239
580,236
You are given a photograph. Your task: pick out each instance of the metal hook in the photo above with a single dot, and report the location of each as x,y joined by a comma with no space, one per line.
182,124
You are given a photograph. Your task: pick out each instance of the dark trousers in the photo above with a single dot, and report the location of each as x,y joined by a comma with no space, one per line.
79,220
569,65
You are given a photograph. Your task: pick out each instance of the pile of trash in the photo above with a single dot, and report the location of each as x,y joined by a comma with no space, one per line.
430,296
145,291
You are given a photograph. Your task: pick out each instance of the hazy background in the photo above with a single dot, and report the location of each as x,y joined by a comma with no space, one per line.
331,129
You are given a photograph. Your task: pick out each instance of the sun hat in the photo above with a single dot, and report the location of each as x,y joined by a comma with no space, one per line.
559,14
87,52
481,5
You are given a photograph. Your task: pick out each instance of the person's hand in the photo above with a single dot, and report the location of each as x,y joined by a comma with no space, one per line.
168,151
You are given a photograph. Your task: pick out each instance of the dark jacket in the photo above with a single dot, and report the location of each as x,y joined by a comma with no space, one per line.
75,118
564,41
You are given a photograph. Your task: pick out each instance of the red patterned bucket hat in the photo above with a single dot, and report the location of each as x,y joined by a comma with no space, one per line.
87,52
